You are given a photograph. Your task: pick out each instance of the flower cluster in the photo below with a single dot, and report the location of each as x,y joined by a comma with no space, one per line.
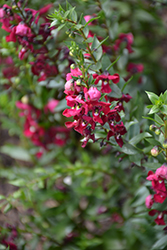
89,111
26,28
158,185
39,135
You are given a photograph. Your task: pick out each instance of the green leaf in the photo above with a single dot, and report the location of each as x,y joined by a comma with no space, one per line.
113,63
116,92
7,208
160,244
153,142
158,120
92,19
154,109
163,109
73,14
129,149
2,197
105,62
153,97
126,83
61,26
136,139
18,182
149,118
96,48
16,152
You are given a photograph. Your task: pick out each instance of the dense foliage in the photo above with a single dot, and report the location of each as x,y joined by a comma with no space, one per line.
83,107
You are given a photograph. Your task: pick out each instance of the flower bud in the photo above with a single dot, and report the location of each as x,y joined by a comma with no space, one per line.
78,82
154,151
165,144
157,131
152,127
25,99
72,66
72,35
67,32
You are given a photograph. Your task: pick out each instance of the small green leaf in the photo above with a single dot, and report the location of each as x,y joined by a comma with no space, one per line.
73,15
158,120
126,83
2,197
113,63
7,208
154,109
153,97
163,109
96,48
92,19
61,26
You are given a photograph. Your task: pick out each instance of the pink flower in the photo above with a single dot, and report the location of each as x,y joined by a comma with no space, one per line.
51,105
74,72
162,172
93,93
149,201
23,30
69,87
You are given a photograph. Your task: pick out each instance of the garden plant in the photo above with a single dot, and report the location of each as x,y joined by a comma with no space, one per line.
83,125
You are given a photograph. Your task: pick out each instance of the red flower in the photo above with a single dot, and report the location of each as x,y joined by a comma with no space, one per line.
160,218
124,38
105,78
117,131
134,68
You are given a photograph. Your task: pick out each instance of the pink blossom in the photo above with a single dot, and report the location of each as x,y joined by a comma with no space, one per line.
162,172
23,30
51,105
149,201
93,93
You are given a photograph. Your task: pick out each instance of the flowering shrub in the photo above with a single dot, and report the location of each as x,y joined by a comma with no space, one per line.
81,156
